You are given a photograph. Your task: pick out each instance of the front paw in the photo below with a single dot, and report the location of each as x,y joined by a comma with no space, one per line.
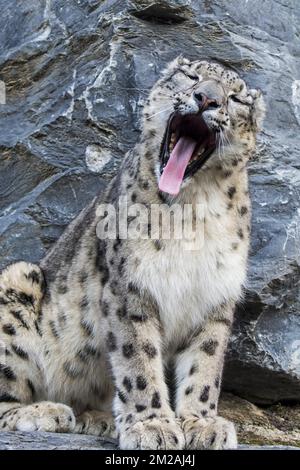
153,434
45,416
209,433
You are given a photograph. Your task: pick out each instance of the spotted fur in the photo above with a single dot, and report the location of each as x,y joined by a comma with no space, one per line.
95,325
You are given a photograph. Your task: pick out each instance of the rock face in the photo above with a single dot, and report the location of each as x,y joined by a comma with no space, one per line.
275,425
76,75
53,441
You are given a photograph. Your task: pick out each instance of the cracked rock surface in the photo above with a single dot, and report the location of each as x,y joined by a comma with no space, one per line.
77,73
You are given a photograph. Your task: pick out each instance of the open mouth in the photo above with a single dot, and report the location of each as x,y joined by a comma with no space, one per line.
186,146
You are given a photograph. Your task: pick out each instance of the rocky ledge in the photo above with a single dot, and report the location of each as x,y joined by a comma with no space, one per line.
275,427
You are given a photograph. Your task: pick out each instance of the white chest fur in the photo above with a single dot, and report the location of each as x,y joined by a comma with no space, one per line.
187,285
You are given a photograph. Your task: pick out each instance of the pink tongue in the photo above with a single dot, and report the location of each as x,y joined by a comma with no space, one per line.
172,176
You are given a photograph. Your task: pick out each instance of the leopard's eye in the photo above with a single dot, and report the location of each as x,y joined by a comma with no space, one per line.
236,99
192,77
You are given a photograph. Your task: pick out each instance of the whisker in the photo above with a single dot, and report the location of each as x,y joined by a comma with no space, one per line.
223,142
189,88
219,143
159,112
220,153
226,142
229,144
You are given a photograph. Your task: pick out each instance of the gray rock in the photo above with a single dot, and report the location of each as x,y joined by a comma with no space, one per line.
246,447
53,441
76,76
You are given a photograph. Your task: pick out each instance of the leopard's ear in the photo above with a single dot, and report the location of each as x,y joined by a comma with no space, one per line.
258,108
178,62
183,60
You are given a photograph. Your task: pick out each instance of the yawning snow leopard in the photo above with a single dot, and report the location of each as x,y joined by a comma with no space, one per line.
88,335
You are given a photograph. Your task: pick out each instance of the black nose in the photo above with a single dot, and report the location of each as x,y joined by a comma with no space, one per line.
205,102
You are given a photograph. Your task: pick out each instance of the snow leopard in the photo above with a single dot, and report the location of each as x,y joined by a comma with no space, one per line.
125,336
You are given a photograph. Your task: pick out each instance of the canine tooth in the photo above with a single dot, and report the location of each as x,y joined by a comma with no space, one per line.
173,137
200,151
